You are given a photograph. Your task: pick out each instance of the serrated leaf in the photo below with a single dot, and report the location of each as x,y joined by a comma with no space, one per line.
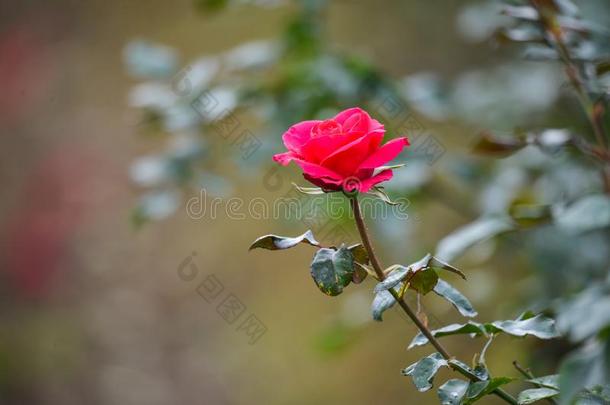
548,381
275,242
535,394
540,326
459,301
452,392
382,302
423,371
332,270
470,328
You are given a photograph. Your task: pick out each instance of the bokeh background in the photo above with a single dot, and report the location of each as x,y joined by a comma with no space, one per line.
93,306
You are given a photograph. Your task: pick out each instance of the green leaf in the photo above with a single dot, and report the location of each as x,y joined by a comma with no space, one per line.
454,244
461,303
465,368
583,368
586,314
452,392
382,302
332,270
548,381
470,328
420,275
423,371
598,395
308,190
588,213
398,273
274,242
540,326
438,263
361,258
478,390
360,273
424,281
360,254
535,394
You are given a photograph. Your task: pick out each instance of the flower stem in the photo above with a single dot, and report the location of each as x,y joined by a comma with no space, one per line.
592,110
528,374
366,241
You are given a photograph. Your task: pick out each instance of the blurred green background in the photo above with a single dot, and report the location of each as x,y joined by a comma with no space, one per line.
94,309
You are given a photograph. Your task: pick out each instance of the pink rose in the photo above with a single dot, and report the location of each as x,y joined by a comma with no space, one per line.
341,153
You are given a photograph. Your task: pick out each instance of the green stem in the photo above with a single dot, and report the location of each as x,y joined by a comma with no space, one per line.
528,374
549,22
366,241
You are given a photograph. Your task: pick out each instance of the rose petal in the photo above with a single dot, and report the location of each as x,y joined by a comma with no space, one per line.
347,159
325,183
356,119
319,148
344,115
297,135
384,154
284,158
317,171
367,184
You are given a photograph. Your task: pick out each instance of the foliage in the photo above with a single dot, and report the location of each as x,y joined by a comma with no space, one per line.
545,188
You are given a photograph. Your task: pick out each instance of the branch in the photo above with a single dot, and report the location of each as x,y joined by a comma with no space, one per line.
366,241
